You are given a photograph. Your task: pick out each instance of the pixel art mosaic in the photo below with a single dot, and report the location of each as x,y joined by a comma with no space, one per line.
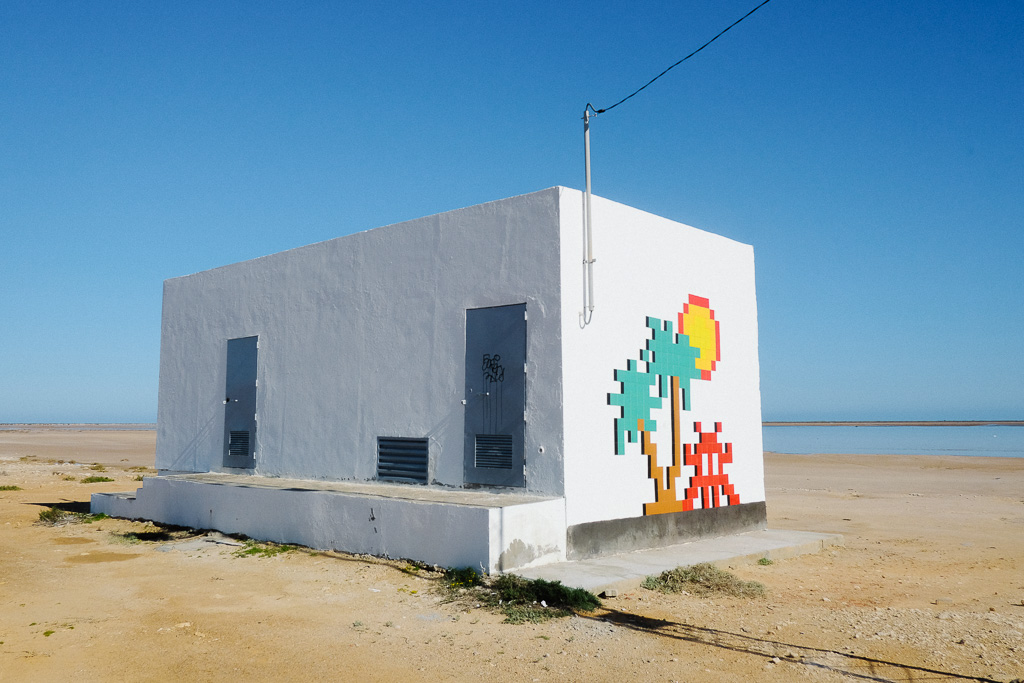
667,365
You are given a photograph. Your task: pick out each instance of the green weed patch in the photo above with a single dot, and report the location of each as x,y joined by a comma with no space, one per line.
261,549
520,600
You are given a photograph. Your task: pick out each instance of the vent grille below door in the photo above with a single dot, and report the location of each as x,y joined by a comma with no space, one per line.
402,459
494,451
238,443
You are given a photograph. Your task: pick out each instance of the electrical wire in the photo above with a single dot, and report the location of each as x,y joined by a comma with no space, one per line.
590,107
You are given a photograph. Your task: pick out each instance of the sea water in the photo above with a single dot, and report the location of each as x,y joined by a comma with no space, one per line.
998,441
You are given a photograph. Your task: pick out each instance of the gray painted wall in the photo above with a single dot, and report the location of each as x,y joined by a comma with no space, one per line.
364,335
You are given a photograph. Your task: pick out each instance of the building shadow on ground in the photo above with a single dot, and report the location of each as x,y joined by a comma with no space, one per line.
777,652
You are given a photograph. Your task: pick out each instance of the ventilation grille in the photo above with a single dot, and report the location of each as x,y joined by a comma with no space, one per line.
238,444
494,451
401,459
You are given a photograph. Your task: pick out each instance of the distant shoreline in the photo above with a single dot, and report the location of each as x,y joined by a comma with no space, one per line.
898,423
132,426
77,426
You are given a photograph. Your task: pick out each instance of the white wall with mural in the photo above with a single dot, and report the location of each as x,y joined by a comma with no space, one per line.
672,341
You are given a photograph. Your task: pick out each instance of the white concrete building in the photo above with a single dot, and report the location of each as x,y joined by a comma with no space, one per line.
428,390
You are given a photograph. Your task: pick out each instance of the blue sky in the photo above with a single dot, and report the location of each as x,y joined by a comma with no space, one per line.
872,153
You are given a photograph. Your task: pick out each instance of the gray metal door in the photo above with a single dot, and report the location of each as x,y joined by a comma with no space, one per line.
240,403
495,395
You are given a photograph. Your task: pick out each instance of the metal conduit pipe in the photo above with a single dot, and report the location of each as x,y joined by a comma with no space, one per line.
588,242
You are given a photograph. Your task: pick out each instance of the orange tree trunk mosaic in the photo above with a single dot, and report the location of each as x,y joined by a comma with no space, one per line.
667,364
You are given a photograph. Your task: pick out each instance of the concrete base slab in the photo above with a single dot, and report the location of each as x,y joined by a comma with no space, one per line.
626,571
488,530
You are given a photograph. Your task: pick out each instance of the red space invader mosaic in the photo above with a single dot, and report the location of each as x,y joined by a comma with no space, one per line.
709,483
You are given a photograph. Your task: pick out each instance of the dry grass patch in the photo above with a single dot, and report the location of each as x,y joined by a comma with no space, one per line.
702,580
54,516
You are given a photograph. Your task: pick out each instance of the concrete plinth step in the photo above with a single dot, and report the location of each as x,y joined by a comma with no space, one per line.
626,571
119,495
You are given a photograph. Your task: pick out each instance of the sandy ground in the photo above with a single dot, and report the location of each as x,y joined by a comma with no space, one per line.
929,587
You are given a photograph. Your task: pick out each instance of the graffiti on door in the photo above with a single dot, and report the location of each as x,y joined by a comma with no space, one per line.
493,378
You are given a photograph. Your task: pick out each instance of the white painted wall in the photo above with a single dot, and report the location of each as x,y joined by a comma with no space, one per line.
647,266
362,336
